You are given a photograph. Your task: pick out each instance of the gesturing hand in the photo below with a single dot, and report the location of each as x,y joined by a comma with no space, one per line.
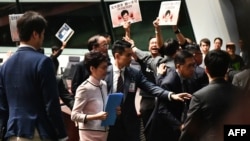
181,96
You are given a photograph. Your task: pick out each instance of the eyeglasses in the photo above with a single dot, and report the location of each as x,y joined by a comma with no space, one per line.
105,45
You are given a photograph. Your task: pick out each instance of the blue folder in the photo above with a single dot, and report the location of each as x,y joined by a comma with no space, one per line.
113,101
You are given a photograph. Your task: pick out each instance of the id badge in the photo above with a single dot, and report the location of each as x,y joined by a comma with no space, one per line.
132,87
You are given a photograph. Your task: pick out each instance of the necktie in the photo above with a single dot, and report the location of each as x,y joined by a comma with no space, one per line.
120,83
185,106
184,86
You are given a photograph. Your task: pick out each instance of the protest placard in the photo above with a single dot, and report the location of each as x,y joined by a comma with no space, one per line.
64,33
13,26
169,12
125,11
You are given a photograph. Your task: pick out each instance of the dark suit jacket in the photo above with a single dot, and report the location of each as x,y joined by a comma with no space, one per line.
79,75
64,93
200,77
28,91
127,126
207,109
168,117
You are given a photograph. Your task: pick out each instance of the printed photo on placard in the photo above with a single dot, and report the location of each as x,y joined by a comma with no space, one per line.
125,11
13,26
64,33
169,12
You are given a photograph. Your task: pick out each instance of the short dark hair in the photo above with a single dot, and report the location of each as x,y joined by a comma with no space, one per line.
218,39
124,12
217,62
170,46
54,48
192,48
94,58
30,21
181,56
119,46
205,40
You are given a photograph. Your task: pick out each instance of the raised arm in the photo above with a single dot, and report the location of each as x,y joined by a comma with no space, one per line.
126,27
59,51
180,37
158,34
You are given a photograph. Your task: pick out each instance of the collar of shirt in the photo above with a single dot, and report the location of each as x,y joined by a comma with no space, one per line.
25,45
116,70
94,81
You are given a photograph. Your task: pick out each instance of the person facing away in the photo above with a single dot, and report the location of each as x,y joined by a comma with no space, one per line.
212,103
90,98
28,88
80,74
127,124
56,52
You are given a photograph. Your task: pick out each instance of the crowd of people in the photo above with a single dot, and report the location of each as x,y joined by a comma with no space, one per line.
188,90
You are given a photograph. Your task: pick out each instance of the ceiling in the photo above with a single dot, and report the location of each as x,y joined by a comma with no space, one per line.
46,9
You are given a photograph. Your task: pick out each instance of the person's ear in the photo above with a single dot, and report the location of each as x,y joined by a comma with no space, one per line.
117,55
92,68
177,66
35,34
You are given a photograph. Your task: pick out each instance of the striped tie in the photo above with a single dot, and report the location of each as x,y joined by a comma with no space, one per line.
120,83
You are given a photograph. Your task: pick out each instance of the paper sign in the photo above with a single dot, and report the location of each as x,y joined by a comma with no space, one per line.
64,33
125,11
13,26
169,12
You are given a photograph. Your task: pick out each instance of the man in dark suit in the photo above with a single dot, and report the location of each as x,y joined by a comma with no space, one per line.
127,125
211,104
200,75
80,73
169,115
28,88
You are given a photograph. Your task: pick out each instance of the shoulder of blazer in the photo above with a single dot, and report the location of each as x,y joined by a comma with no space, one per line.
110,68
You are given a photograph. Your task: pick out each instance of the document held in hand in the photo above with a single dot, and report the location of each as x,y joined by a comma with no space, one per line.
64,33
113,101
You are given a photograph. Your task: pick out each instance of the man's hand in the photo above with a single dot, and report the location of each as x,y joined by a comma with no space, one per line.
181,96
129,40
126,26
162,69
156,22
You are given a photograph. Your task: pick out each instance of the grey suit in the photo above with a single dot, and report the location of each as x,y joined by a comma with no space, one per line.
242,79
207,109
